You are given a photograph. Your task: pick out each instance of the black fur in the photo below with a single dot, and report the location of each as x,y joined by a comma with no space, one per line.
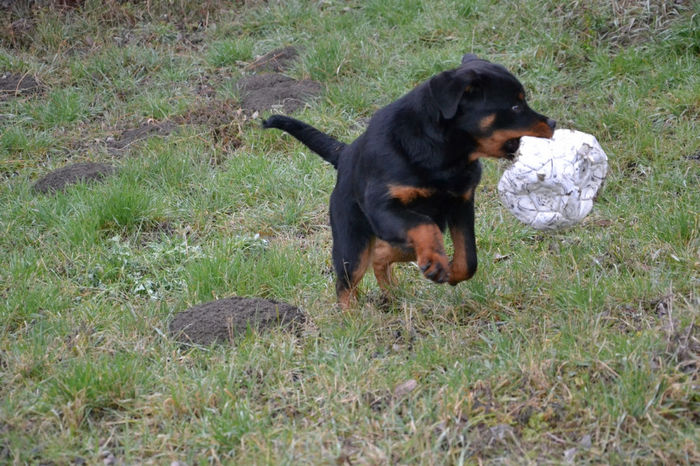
319,142
413,172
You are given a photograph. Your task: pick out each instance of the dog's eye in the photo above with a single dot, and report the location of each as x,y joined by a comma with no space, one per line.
517,108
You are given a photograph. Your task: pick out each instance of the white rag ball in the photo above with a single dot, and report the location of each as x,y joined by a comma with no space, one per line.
553,182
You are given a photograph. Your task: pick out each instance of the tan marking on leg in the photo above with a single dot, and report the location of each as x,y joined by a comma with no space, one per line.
427,241
408,194
383,257
348,296
468,195
459,267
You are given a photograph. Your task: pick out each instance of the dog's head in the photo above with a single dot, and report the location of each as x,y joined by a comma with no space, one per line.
486,104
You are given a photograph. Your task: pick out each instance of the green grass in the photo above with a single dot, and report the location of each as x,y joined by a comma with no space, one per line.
579,345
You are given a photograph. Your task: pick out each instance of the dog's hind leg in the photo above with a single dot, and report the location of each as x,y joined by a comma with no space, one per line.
383,257
353,244
350,260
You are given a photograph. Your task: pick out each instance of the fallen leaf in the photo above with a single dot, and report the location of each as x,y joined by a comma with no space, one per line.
569,455
405,388
585,441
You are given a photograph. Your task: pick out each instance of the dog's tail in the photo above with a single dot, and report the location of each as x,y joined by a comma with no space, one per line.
321,143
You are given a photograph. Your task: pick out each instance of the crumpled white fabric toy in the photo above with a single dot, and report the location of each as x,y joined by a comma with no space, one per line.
552,182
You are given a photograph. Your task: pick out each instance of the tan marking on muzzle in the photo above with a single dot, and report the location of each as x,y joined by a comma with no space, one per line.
492,146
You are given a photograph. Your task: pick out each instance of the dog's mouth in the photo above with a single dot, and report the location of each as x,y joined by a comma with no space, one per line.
510,147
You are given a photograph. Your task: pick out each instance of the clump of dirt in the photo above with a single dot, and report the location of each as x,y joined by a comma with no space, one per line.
18,33
14,85
222,320
273,90
275,61
59,179
143,131
210,114
223,119
205,86
695,156
683,346
682,343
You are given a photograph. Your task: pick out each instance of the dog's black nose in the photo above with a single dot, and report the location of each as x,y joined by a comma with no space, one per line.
551,123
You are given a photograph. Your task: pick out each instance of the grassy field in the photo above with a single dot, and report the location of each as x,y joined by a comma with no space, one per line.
574,346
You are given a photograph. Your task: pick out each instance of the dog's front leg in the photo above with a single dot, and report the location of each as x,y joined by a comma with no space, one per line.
409,230
426,240
461,223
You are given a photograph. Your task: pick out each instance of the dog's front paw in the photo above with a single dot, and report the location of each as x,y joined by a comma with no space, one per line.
460,272
435,267
426,240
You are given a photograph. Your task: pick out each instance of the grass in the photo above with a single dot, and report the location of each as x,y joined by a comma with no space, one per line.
574,346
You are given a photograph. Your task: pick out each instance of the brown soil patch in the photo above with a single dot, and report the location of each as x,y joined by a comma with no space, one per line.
222,320
210,114
205,86
59,179
273,90
18,33
275,61
222,119
14,85
144,131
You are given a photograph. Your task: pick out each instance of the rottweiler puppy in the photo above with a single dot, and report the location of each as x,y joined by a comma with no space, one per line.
412,174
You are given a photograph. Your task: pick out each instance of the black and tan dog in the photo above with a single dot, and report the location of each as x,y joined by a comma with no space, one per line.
413,173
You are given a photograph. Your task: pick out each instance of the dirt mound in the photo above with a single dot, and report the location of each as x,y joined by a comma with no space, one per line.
144,131
275,61
222,320
269,90
205,86
14,85
59,179
222,119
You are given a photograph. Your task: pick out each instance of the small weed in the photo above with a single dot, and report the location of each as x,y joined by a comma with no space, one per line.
228,53
90,386
63,107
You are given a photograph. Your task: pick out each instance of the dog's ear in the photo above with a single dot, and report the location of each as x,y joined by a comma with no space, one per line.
447,89
468,57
